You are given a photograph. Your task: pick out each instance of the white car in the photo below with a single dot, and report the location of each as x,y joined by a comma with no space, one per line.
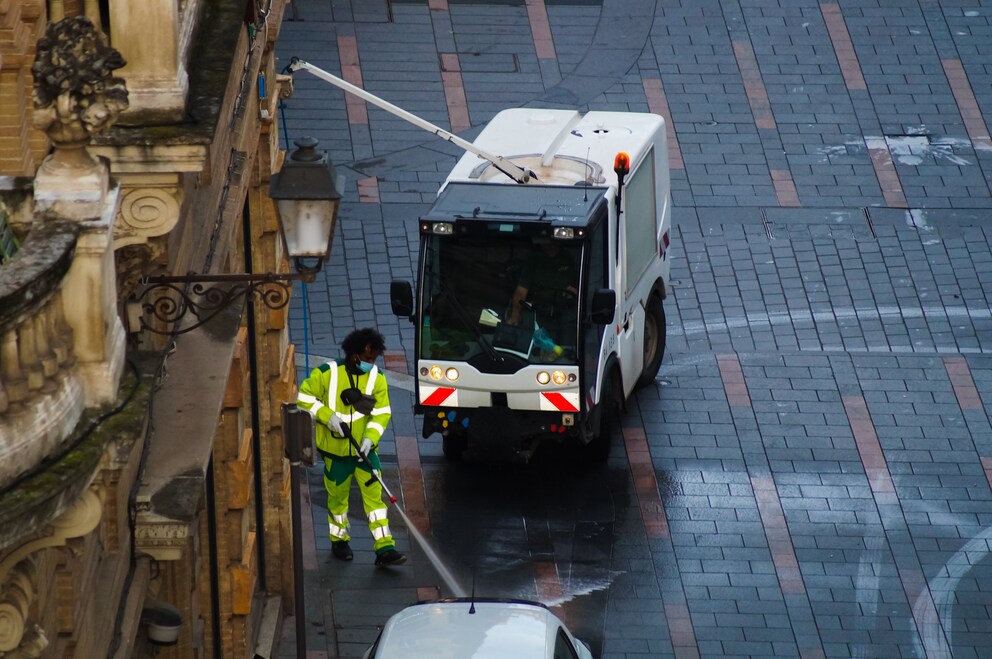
475,628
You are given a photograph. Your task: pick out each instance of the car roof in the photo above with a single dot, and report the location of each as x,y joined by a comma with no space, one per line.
445,629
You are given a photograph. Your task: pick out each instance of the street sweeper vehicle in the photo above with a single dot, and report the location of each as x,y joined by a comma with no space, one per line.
541,280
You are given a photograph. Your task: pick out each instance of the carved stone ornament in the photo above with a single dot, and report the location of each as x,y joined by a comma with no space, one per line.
146,212
150,211
20,638
75,94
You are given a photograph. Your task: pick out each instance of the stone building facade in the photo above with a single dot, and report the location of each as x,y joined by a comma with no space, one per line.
143,488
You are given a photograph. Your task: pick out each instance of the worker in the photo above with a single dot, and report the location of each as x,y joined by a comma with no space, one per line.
352,398
548,283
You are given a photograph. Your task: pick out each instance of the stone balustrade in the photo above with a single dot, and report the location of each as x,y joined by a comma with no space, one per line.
32,353
41,395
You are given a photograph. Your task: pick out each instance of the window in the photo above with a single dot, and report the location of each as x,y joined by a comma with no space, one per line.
563,646
469,282
596,257
640,219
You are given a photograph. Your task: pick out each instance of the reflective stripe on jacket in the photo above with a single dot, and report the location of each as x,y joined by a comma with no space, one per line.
320,394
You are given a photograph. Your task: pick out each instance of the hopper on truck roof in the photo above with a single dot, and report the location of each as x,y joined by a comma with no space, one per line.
554,204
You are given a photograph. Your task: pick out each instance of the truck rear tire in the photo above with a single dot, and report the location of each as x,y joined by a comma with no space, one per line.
655,333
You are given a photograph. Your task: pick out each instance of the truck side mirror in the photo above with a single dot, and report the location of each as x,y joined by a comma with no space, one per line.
603,307
401,298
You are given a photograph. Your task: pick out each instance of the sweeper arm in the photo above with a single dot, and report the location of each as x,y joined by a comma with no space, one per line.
518,174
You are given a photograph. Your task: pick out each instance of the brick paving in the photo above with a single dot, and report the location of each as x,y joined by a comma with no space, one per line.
812,474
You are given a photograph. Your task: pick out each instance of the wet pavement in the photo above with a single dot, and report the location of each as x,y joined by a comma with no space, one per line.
811,476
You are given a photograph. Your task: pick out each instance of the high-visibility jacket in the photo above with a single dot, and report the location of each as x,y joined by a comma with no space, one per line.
320,394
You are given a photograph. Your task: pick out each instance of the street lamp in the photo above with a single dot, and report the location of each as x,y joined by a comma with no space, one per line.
307,197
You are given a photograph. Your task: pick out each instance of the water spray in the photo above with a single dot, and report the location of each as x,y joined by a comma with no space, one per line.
432,556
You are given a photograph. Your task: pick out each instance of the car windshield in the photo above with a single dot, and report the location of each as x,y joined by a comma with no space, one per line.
500,294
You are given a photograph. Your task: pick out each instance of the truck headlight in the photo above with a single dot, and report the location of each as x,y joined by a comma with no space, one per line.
543,377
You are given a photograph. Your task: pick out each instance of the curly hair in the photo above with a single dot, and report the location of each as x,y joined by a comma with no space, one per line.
355,342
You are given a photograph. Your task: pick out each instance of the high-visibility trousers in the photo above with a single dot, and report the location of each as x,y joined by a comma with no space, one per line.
338,474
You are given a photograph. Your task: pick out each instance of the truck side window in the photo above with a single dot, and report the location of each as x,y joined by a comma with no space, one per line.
640,219
595,272
563,646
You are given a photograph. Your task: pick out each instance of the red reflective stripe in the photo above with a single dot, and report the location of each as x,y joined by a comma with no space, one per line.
560,402
439,396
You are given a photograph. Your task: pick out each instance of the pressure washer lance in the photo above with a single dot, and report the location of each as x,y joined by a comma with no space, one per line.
432,556
372,470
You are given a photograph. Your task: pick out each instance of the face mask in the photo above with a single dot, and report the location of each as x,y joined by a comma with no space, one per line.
365,367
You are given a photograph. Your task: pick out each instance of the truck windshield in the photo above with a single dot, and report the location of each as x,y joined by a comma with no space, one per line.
509,293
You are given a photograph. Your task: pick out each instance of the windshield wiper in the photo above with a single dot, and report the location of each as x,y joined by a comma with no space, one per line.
463,316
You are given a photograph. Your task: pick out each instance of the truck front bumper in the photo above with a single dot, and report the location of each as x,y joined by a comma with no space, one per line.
519,430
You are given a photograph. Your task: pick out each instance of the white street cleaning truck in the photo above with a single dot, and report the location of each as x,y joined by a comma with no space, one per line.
541,278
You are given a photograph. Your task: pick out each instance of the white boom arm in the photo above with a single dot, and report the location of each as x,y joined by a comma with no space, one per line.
518,174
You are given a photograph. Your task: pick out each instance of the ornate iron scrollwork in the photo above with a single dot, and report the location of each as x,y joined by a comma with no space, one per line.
168,299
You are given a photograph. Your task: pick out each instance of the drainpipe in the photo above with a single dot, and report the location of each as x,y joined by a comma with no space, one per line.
214,569
256,445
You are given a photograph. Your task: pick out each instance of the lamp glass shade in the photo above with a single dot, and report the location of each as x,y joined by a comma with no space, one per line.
308,225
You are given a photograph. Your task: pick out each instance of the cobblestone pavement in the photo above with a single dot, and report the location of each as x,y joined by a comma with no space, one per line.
812,474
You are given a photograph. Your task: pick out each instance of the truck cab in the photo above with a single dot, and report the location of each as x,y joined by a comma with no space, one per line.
539,306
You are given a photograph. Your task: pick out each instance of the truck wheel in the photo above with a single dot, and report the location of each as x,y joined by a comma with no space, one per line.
598,448
454,444
655,332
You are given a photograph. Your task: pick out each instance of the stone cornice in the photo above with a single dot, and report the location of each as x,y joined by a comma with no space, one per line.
158,158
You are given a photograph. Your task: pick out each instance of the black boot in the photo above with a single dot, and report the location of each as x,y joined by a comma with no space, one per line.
390,557
342,550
